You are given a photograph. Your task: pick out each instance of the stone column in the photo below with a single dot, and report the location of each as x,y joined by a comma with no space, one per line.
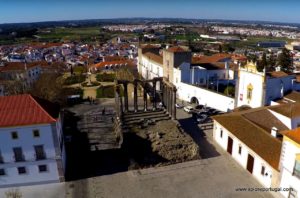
135,101
171,102
125,96
154,94
174,102
145,99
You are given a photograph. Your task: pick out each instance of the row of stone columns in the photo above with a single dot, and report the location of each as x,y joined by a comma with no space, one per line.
169,99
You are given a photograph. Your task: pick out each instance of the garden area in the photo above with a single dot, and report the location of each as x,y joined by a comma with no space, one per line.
74,79
106,77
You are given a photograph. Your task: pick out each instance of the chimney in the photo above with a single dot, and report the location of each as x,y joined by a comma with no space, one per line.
274,132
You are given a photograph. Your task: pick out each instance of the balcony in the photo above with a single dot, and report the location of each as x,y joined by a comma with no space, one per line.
19,158
40,156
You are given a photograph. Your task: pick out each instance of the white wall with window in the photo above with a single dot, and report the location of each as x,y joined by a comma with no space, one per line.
290,167
28,156
261,170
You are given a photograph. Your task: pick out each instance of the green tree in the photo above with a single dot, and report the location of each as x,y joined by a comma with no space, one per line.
262,64
271,63
285,61
220,49
229,90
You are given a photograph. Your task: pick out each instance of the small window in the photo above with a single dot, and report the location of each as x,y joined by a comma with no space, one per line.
240,149
221,133
296,171
36,133
42,168
263,169
2,172
14,135
21,170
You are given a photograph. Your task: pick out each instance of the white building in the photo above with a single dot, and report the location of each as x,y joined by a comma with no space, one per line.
258,140
252,138
32,148
290,163
257,89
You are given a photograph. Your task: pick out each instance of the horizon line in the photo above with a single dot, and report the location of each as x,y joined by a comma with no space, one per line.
209,19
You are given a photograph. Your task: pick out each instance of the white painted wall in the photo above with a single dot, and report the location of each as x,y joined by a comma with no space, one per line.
150,69
285,120
27,142
256,80
205,97
287,162
242,158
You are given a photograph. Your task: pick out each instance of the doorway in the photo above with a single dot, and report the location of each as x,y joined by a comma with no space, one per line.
229,145
250,163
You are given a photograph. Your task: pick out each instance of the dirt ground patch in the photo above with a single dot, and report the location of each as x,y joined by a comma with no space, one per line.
169,142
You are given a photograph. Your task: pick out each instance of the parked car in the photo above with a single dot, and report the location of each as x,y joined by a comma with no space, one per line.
188,109
202,118
178,106
199,107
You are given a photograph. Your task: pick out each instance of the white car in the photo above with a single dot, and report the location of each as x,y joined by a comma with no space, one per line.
178,106
188,109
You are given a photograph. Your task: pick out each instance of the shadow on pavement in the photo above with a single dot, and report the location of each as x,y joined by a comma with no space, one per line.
207,150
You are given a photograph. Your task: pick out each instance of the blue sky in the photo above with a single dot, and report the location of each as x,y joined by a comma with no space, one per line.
47,10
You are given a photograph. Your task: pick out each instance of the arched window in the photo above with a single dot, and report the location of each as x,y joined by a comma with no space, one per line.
249,91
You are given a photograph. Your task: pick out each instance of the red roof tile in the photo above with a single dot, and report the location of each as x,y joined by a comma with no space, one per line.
294,135
176,49
22,110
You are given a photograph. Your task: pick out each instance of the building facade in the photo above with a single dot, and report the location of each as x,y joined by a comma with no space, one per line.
32,149
290,164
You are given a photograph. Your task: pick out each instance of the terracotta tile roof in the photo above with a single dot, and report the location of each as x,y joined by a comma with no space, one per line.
108,63
277,74
14,66
294,96
148,46
114,58
290,110
265,119
176,49
210,59
22,110
154,57
253,128
293,135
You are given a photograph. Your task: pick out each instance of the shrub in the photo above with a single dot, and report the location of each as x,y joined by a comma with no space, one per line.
105,77
74,79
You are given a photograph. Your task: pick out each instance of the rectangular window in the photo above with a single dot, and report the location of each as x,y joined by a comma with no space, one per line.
42,168
21,170
240,149
14,135
36,133
2,172
263,169
19,157
1,158
296,171
221,133
39,152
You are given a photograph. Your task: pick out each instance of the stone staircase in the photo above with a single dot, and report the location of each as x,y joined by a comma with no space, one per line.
131,119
